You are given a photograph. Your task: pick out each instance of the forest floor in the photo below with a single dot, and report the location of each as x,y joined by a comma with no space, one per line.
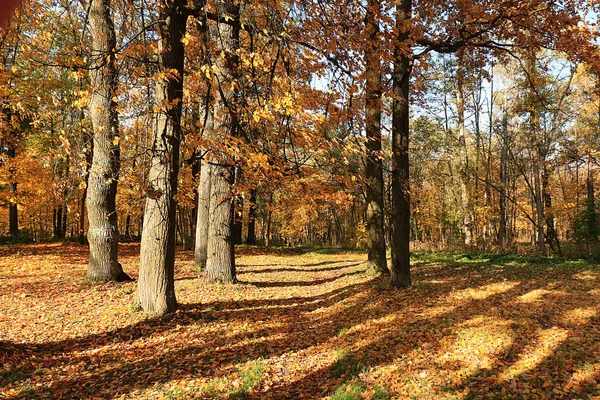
302,326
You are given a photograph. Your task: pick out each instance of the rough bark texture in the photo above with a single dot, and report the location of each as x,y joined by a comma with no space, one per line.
156,287
203,214
204,184
463,156
220,263
377,262
103,233
400,218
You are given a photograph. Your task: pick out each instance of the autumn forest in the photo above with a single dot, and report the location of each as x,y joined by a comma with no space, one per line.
346,199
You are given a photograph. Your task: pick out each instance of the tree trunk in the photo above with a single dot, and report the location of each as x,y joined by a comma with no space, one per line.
197,164
551,236
156,286
269,221
251,239
377,262
400,217
238,207
463,155
12,187
103,233
220,262
502,231
203,214
539,205
204,185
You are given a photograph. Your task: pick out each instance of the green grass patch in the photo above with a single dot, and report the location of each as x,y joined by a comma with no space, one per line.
13,376
349,391
346,365
250,377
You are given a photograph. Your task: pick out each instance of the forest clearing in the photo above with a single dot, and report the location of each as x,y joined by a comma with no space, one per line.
287,199
298,325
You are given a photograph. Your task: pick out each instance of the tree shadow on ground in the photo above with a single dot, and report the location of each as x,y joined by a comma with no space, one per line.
377,327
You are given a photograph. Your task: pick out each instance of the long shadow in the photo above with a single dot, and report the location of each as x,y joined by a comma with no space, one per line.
301,264
313,282
291,326
292,269
140,372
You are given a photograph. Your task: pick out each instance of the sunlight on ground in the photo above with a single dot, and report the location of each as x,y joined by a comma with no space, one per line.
484,292
543,346
579,316
311,326
477,341
533,296
586,276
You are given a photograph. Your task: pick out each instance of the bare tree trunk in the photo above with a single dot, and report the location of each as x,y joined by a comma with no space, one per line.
220,262
197,164
400,217
502,230
203,214
88,158
269,221
251,239
204,184
463,156
377,262
156,286
103,233
12,187
539,206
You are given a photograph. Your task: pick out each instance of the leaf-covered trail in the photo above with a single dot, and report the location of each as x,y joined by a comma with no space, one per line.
301,326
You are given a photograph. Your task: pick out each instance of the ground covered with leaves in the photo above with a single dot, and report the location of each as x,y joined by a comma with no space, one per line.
302,325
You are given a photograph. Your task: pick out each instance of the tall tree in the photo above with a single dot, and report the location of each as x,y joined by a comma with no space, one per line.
377,261
400,218
220,262
156,286
103,233
463,150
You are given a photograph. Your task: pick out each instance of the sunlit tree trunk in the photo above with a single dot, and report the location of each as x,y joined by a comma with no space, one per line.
204,184
103,233
156,288
502,230
400,218
220,262
89,139
463,142
203,214
377,262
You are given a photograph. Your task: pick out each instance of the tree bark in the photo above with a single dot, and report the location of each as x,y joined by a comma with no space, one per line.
13,208
502,230
463,155
400,218
269,221
196,165
203,214
204,184
156,286
377,262
251,239
103,233
220,262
